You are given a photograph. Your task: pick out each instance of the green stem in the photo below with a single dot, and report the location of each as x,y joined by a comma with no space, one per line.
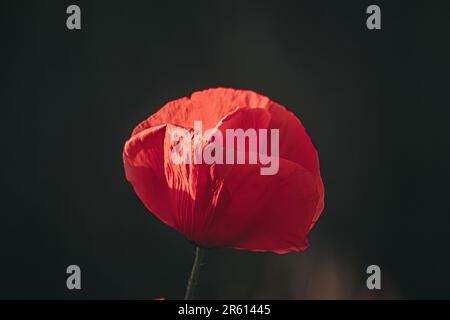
195,272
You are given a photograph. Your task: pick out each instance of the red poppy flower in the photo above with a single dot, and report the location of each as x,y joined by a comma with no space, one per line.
228,205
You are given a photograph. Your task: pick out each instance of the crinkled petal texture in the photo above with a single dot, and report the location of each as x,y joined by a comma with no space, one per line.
228,205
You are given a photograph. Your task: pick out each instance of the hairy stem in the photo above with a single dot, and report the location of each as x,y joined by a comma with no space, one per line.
195,272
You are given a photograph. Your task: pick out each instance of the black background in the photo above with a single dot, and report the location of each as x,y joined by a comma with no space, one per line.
375,103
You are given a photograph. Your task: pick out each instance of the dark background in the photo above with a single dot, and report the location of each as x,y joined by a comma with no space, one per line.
375,103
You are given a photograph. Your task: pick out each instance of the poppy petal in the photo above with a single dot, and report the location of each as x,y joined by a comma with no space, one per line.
208,106
263,213
246,210
178,194
143,158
